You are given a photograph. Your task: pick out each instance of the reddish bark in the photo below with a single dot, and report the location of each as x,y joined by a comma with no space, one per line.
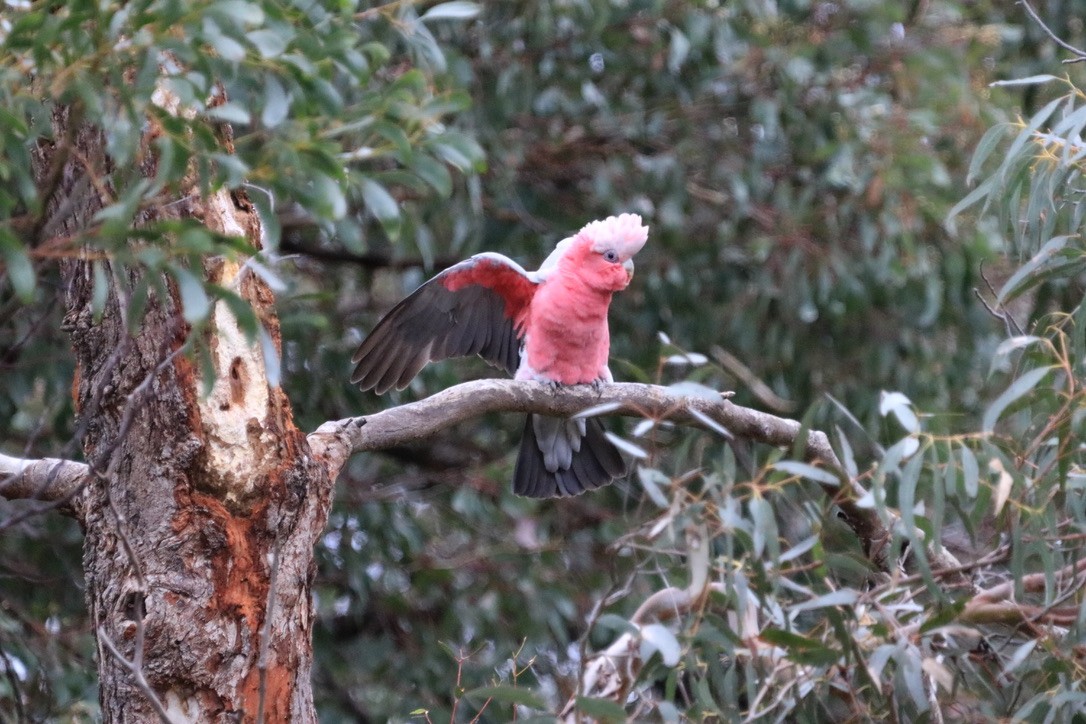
203,514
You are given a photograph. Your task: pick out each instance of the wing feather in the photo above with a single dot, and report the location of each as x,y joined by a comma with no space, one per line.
594,465
474,307
398,356
370,376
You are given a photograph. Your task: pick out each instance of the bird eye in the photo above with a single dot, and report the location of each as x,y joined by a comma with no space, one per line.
611,255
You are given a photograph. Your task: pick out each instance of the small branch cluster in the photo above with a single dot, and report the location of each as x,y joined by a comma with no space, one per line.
997,604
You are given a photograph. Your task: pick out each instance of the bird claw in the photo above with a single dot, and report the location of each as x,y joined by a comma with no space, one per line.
597,385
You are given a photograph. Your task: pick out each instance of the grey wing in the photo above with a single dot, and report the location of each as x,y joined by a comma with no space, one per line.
474,307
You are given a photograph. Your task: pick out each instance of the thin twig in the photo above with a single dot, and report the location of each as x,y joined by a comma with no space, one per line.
1080,55
16,689
1009,323
265,632
137,675
1031,582
460,658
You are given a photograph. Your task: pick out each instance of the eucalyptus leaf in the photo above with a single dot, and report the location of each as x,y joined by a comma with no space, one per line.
507,694
602,710
1028,80
270,43
276,102
806,470
970,472
194,299
843,597
657,638
100,295
230,112
18,269
455,10
1019,388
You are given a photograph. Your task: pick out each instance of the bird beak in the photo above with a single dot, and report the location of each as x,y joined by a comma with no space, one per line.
628,265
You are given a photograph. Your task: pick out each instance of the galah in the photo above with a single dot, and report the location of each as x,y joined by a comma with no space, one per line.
548,325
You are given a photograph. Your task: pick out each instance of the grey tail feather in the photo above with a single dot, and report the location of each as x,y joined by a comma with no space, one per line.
596,464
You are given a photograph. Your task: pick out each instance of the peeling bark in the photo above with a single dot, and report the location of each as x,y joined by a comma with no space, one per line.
195,505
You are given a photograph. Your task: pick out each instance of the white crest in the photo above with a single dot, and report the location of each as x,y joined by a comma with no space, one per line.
624,233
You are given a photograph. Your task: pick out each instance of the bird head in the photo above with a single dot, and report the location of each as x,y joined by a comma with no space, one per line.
608,249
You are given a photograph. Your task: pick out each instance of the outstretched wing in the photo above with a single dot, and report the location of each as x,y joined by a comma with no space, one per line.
475,307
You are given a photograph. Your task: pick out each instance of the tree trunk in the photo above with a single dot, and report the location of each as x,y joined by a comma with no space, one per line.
203,512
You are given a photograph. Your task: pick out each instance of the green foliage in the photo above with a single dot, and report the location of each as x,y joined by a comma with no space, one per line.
318,121
798,200
797,163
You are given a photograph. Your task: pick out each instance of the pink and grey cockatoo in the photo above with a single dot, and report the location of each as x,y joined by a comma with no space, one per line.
548,325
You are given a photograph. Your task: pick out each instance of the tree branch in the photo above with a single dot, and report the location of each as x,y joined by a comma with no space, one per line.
57,483
336,441
53,480
49,479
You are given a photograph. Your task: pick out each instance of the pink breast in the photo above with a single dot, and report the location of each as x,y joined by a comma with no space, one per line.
568,339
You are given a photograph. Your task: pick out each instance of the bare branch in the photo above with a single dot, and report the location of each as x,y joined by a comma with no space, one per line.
419,420
610,673
1080,55
997,604
137,675
669,603
745,375
48,479
1032,583
335,441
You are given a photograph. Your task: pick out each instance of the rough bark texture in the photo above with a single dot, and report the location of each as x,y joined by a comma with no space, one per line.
201,514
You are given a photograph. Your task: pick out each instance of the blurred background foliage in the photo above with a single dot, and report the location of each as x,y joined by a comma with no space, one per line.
797,162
